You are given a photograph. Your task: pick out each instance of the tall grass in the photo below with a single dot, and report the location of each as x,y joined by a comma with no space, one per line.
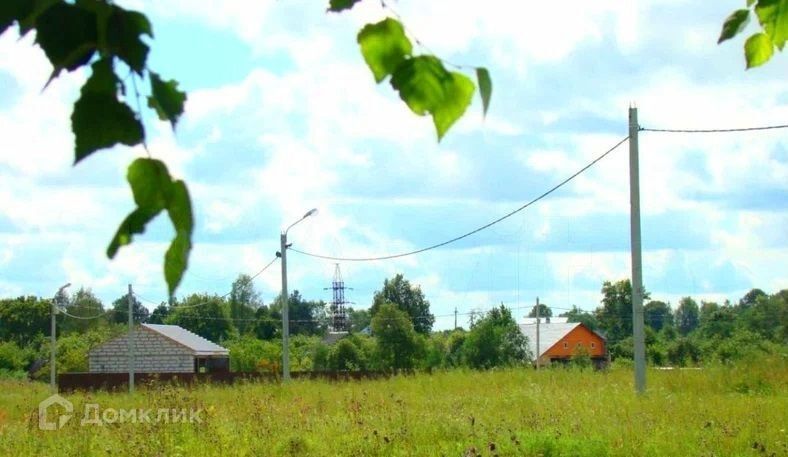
719,410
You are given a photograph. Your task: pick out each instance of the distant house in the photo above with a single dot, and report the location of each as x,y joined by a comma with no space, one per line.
160,349
560,340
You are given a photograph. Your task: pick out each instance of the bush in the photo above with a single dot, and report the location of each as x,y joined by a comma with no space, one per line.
12,357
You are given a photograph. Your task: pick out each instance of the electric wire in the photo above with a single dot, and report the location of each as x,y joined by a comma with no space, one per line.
729,130
472,232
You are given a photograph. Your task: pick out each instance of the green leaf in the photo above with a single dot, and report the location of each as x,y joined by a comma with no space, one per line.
29,15
758,49
67,34
99,120
420,83
155,191
166,99
458,94
13,10
339,5
177,257
384,47
773,16
734,24
485,87
427,87
124,32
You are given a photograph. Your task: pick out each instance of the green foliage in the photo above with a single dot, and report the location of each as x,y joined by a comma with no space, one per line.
154,191
773,19
578,315
427,87
307,317
384,47
83,303
166,99
485,87
340,5
244,302
247,353
495,341
344,355
12,357
99,119
657,315
99,33
408,298
581,358
544,311
615,315
268,324
120,311
687,315
397,342
423,82
73,349
24,319
359,319
205,315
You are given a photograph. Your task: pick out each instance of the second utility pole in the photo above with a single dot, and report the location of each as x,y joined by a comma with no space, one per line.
131,340
637,266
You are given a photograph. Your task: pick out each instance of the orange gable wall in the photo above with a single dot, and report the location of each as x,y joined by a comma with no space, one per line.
581,334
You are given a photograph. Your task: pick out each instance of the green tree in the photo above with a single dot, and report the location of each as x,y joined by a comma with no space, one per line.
544,311
615,314
244,301
109,39
120,311
396,337
657,315
578,315
408,298
85,311
687,315
205,315
24,319
268,323
495,340
359,319
346,356
751,298
307,317
160,313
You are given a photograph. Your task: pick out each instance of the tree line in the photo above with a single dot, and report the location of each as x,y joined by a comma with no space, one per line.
394,333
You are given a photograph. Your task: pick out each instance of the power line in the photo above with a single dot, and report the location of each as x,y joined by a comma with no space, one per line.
472,232
730,130
222,296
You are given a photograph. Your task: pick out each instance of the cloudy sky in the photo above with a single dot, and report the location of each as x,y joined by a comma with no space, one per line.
283,116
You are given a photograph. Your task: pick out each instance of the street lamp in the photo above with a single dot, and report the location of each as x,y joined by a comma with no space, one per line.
285,300
53,343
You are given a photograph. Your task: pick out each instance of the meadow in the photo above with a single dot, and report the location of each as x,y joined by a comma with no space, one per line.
715,411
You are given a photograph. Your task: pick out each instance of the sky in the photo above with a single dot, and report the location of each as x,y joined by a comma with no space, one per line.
283,116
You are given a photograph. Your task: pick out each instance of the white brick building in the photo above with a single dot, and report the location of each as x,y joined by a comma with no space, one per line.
160,349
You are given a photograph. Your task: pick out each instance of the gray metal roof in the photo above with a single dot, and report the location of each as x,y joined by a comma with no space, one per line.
195,342
549,334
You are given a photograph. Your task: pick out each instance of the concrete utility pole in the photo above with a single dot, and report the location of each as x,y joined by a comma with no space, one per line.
537,333
131,340
455,318
285,298
53,341
637,266
285,310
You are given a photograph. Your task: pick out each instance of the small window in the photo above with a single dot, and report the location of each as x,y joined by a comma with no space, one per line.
566,345
593,345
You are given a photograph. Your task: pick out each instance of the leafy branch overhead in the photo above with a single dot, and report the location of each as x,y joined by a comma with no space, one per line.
772,17
423,82
113,41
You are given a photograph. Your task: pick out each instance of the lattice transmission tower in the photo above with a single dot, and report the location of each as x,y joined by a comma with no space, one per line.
337,314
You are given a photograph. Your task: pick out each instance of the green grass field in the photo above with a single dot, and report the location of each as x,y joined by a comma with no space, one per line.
739,410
